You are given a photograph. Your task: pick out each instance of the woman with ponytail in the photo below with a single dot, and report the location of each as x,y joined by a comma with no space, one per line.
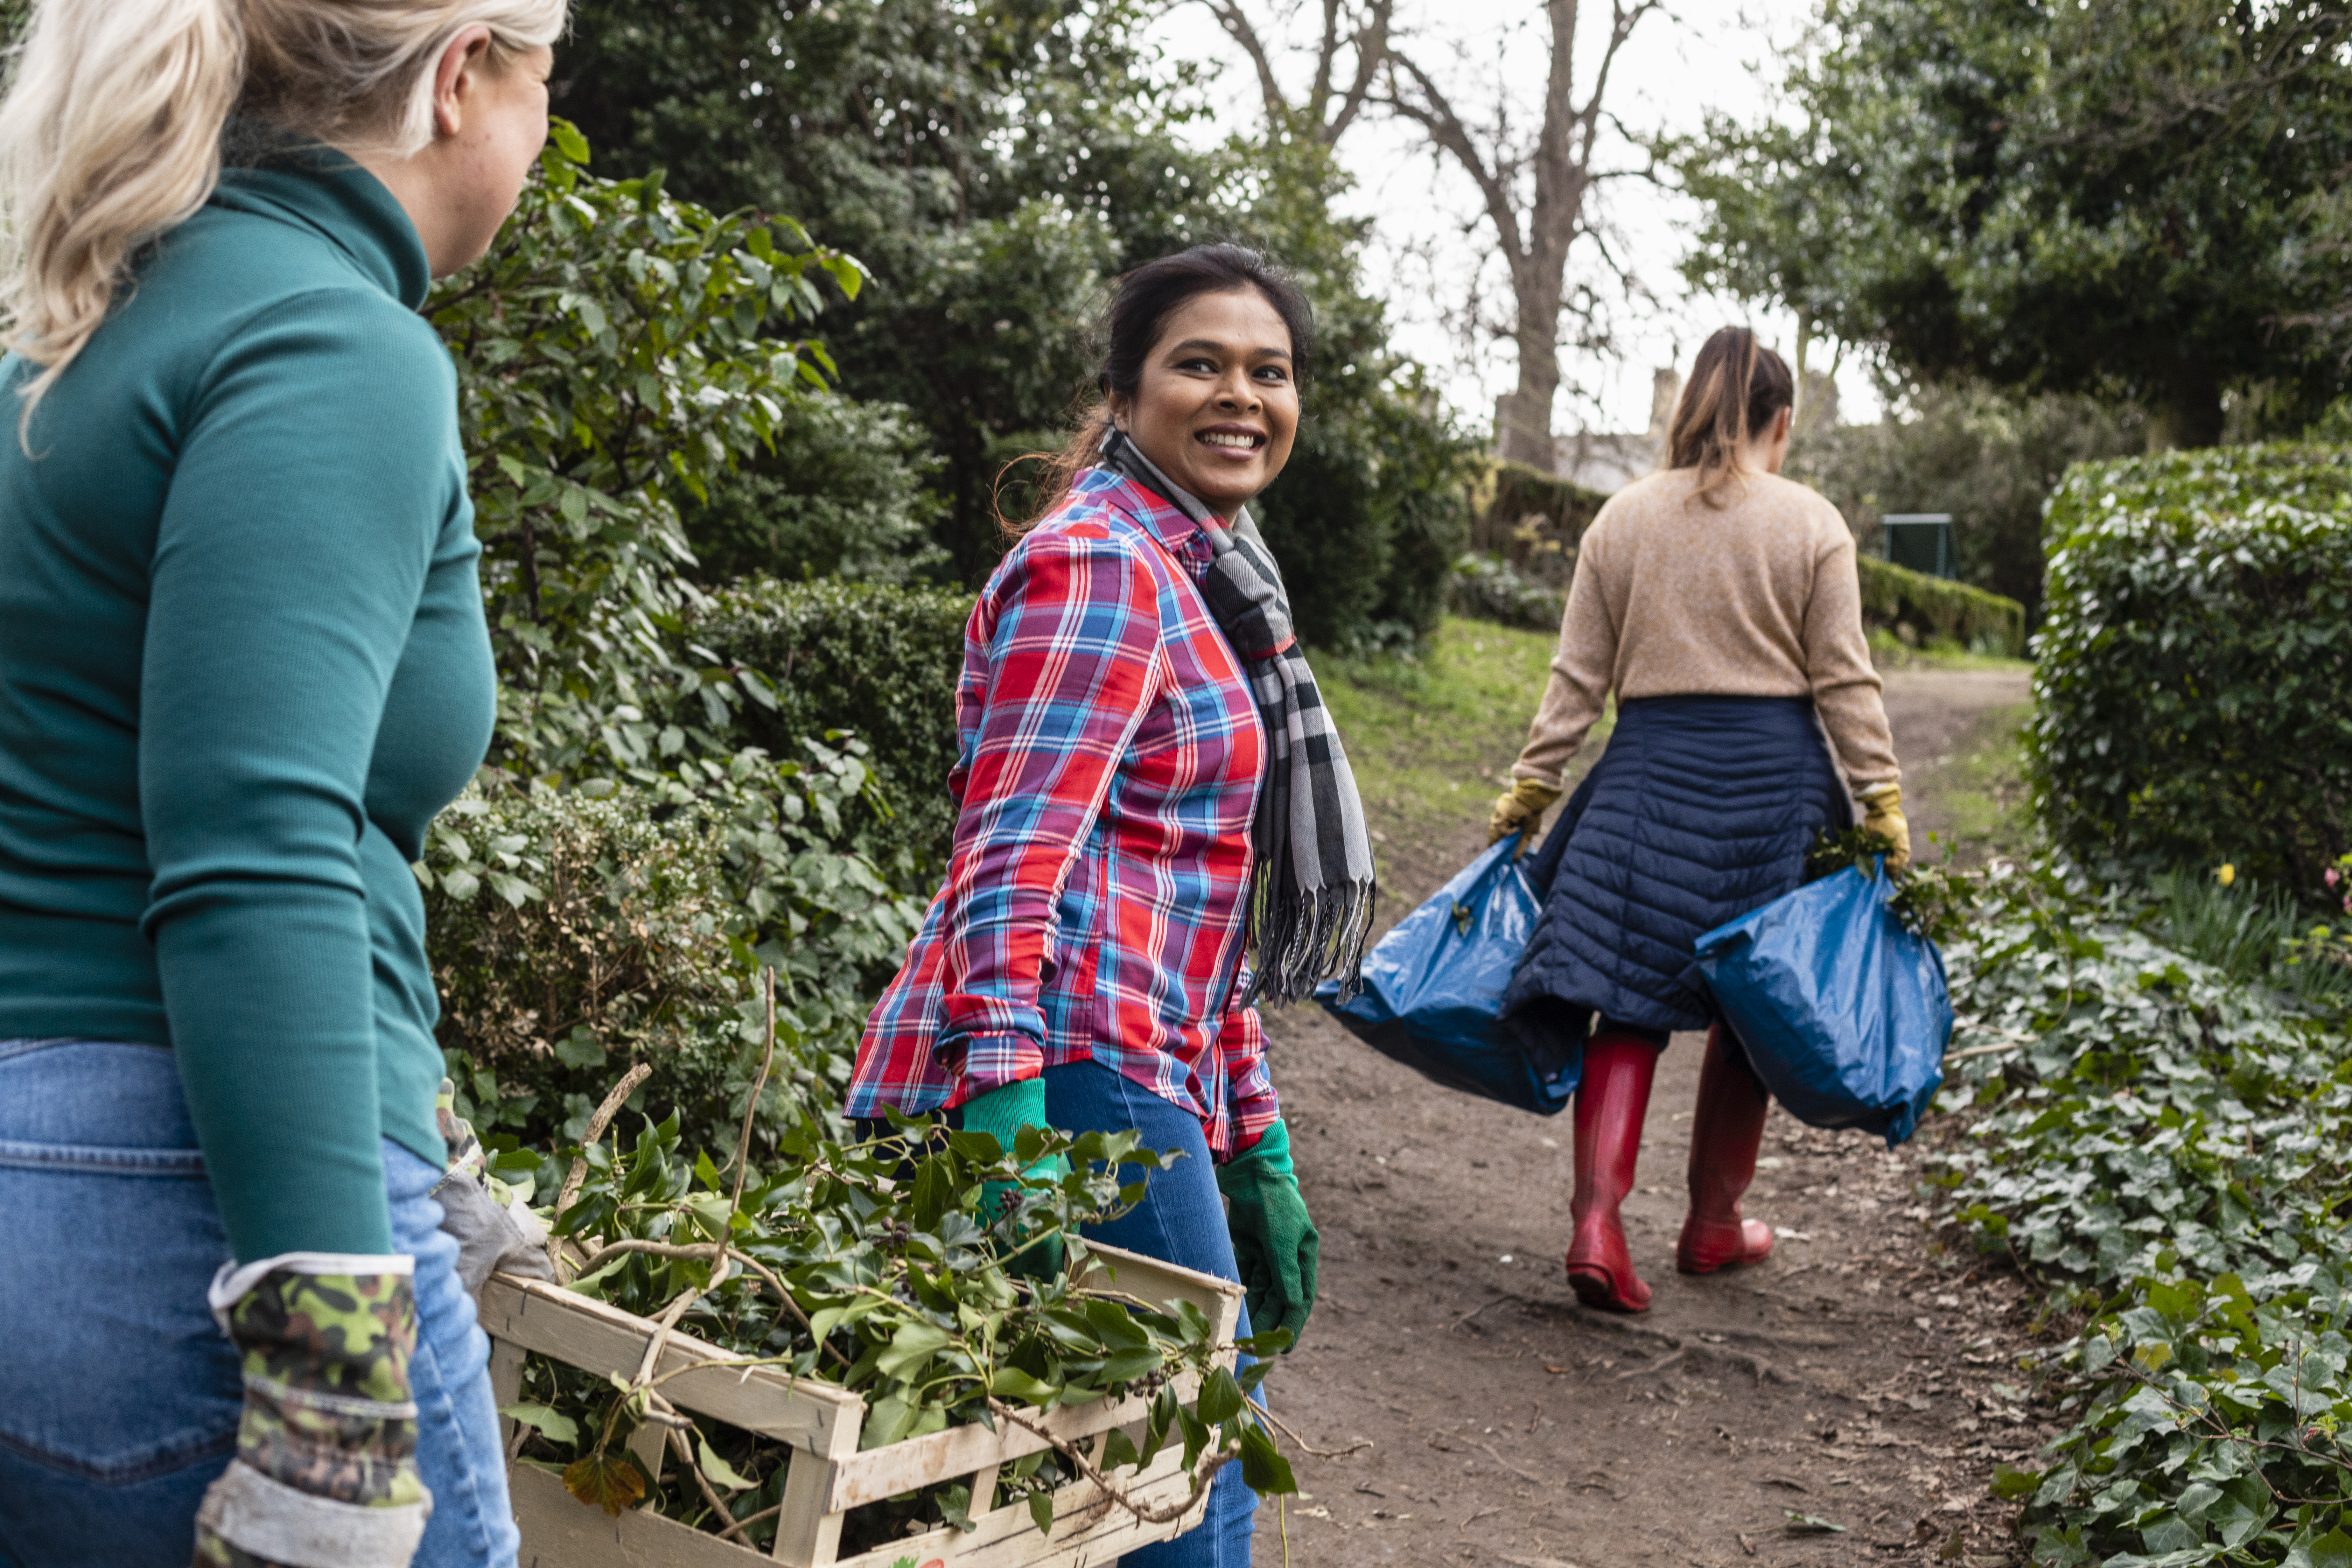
1148,783
1719,603
242,666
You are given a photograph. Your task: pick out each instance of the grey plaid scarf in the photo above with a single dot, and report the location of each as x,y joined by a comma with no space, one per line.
1311,883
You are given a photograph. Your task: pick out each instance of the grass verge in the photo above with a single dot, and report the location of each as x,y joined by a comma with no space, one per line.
1431,740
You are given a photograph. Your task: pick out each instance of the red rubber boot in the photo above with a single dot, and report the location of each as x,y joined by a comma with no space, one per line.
1726,1131
1611,1103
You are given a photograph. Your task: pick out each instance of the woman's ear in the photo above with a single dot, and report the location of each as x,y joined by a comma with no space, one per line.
1784,422
462,59
1117,403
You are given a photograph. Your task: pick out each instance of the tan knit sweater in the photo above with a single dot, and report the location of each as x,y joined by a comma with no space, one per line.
1673,598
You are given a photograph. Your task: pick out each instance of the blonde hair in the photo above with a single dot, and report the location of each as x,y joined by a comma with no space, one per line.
1736,388
111,128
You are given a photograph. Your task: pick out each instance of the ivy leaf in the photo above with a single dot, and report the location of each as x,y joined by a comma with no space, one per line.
1264,1469
1220,1397
552,1424
1041,1509
609,1481
722,1474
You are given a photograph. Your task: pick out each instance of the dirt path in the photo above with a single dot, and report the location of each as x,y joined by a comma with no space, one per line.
1848,1380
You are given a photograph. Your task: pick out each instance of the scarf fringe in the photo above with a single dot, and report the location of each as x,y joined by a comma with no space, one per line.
1303,937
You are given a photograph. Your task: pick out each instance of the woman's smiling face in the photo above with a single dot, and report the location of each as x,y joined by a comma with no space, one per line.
1216,407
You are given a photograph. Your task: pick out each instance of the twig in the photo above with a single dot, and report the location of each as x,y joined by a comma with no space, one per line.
752,1107
1660,1365
1475,1311
1204,1469
1307,1447
596,1125
1488,1450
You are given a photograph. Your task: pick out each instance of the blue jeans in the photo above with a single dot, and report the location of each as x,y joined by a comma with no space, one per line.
1181,1220
118,1395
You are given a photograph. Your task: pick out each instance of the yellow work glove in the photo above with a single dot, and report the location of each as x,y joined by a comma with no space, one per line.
1884,817
1521,806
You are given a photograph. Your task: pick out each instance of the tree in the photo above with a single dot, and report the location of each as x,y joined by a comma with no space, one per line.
1331,105
1535,196
992,171
1989,458
2116,197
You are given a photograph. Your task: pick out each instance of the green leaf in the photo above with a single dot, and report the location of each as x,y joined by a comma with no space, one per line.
1012,1383
722,1474
550,1423
1220,1397
910,1347
567,139
1264,1469
2009,1484
1041,1511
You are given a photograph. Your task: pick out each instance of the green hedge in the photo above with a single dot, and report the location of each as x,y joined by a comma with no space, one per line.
2193,695
1491,589
877,660
1531,518
1935,608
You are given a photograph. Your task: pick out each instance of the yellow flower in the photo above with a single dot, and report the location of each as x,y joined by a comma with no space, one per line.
2227,875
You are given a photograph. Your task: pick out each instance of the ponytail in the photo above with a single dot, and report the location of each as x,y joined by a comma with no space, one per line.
1736,388
110,135
111,131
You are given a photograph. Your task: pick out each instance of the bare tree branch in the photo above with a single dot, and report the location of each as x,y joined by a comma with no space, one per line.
1362,26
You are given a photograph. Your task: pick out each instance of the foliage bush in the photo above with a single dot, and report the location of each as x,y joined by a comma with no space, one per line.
2165,1150
2193,690
1990,459
573,935
838,491
1489,588
1895,596
878,661
1531,518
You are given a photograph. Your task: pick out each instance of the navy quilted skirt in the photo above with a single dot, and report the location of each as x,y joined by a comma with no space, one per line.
1700,809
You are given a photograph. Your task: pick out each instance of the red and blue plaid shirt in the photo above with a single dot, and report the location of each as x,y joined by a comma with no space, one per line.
1097,896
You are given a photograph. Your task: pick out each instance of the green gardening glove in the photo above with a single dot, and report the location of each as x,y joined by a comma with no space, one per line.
1274,1241
1004,1111
326,1450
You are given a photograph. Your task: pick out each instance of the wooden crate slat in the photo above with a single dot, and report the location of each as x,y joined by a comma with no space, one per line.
589,1334
1088,1528
560,1531
914,1462
902,1467
821,1423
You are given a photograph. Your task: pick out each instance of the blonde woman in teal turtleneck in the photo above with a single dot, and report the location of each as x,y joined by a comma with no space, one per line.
242,664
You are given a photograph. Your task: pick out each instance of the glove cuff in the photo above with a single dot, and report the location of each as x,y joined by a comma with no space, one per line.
1882,797
1268,1157
235,1282
1005,1110
274,1523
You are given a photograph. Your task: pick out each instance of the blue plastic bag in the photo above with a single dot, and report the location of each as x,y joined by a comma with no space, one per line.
1844,1015
1432,990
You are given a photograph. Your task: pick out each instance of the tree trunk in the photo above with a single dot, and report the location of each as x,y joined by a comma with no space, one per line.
2188,415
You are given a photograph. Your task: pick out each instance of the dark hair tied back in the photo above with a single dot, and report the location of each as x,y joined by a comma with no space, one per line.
1136,320
1736,388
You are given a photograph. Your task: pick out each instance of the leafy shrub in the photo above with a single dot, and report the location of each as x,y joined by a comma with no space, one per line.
1367,513
1491,589
2166,1151
1531,518
878,661
571,937
837,492
1933,607
612,358
2193,694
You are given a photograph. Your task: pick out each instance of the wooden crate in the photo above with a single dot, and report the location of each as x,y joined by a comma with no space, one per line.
827,1474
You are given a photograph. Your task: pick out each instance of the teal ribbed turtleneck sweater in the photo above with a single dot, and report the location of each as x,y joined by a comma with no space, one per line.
242,666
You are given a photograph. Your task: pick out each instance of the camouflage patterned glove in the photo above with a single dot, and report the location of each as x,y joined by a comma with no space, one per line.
496,1231
325,1474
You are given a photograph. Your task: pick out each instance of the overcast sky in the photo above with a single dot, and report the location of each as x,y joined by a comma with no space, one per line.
1427,236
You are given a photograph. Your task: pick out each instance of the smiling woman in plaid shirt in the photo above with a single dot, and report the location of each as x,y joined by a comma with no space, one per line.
1147,785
